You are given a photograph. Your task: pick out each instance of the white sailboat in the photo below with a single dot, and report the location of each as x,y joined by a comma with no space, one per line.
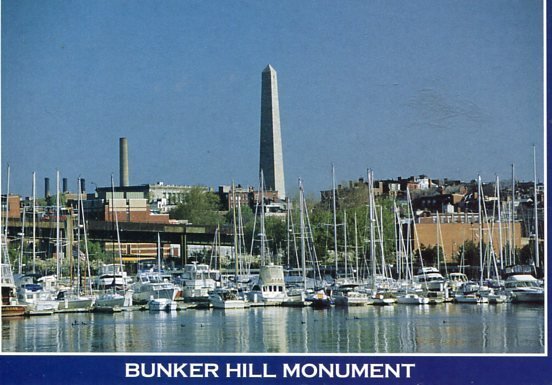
10,306
161,294
113,282
30,291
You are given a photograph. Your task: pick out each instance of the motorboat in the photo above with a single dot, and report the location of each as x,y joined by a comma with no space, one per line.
198,279
152,284
348,295
469,292
383,298
69,301
32,294
430,279
10,305
226,298
162,304
320,299
269,288
112,275
524,288
111,301
411,298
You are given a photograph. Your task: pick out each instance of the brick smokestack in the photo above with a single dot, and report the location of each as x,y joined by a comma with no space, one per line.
123,162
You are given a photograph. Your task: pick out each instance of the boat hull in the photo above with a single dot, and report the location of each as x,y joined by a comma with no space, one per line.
142,297
412,300
528,297
13,311
162,304
75,304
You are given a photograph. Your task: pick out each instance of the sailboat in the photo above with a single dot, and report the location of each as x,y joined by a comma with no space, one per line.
300,287
229,297
157,301
70,298
347,292
10,306
112,279
30,291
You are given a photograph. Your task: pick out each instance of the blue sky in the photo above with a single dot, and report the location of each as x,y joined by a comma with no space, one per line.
442,88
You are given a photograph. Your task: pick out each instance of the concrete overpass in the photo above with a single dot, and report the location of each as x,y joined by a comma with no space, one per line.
102,232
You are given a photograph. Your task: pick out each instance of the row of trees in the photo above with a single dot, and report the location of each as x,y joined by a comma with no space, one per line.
352,219
353,229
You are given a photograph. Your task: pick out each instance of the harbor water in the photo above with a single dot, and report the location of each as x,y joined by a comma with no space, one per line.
445,328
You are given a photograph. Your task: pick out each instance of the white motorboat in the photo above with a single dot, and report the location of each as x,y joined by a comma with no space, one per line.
473,298
72,302
412,299
198,279
112,275
470,292
384,298
456,280
151,284
161,304
348,295
524,288
430,279
10,306
31,294
226,299
270,288
113,301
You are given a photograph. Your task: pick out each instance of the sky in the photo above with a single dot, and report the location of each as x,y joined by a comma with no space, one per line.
408,87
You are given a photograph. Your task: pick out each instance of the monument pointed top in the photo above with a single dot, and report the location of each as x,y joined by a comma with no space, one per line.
269,68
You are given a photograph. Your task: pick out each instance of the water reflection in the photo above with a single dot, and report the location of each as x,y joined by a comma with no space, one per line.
445,328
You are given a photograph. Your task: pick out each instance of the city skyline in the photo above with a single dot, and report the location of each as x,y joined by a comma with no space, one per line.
443,89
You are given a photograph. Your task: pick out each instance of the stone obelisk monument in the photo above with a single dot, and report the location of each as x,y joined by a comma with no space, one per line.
271,158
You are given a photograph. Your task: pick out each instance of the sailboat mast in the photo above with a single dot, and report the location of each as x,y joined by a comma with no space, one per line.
535,204
6,252
86,253
235,234
7,207
345,256
334,219
513,217
302,224
480,229
500,253
78,233
34,223
263,235
159,253
58,246
357,278
437,236
20,269
372,230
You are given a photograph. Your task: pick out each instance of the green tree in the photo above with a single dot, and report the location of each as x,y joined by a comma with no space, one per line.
429,254
527,253
198,207
468,254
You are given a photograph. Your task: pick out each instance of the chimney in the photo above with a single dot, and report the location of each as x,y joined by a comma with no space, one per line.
123,162
64,182
82,185
46,187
